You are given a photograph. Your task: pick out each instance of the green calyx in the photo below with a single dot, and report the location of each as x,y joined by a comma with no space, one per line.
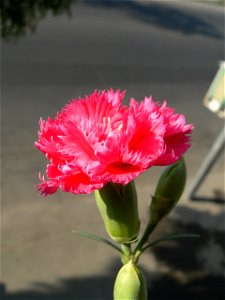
168,191
118,207
130,283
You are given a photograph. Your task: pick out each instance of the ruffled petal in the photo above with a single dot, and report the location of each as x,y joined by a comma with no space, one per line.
95,140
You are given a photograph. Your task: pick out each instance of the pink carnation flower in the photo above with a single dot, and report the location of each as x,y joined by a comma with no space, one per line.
96,140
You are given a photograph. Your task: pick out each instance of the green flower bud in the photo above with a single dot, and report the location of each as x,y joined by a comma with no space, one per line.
119,210
130,283
168,191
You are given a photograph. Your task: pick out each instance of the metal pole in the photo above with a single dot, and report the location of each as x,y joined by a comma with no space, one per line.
207,164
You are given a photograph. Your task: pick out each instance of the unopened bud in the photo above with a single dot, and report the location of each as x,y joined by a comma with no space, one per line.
130,283
119,210
168,191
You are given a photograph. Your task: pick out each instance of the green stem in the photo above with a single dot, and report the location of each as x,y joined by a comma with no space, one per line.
126,249
126,253
148,230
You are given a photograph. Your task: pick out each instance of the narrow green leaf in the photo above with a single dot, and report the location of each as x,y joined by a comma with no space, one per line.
97,238
170,237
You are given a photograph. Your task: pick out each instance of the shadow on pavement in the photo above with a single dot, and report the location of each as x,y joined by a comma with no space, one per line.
18,17
194,268
205,288
218,197
163,15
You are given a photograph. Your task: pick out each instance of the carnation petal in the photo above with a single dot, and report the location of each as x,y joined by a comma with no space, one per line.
95,140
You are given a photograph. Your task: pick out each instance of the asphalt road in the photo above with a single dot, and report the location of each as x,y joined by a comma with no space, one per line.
166,49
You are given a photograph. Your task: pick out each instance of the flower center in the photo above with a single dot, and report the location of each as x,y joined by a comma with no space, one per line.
109,125
121,167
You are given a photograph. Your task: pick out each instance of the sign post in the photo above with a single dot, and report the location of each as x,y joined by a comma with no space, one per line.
214,100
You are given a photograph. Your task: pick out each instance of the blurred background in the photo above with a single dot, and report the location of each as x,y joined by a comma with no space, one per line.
56,50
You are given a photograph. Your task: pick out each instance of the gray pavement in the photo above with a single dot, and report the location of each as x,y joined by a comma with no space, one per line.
165,49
